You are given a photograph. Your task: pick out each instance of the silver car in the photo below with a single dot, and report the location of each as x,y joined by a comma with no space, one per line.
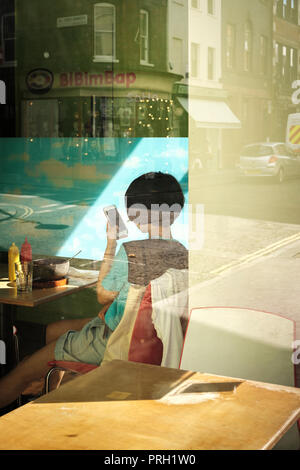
269,159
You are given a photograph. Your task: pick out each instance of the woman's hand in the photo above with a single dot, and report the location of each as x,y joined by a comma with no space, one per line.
111,233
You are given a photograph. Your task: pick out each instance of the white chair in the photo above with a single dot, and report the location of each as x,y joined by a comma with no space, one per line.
242,343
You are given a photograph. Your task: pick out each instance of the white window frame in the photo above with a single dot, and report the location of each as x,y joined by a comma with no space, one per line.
112,57
3,39
146,37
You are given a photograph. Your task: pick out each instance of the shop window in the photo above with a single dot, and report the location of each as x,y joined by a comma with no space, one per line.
75,117
8,37
230,46
287,9
286,59
279,8
177,56
293,63
104,32
40,118
99,116
284,62
211,63
263,55
278,55
248,47
144,37
154,118
211,7
294,11
128,117
284,8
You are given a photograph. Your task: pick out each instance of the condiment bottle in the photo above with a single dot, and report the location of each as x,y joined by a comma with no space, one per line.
26,252
13,257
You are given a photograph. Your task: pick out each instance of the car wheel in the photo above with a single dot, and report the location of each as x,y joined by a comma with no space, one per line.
280,175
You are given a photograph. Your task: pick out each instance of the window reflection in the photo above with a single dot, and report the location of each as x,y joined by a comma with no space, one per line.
104,30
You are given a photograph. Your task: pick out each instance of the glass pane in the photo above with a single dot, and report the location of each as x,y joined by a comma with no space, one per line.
257,151
143,23
40,118
9,26
144,49
103,44
104,18
9,50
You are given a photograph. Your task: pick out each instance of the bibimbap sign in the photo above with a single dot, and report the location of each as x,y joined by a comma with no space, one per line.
87,79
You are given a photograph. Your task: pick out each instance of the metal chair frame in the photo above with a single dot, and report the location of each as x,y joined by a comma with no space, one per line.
78,368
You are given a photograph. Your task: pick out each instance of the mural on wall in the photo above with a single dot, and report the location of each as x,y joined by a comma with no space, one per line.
54,190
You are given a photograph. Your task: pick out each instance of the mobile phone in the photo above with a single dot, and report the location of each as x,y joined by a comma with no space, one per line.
115,220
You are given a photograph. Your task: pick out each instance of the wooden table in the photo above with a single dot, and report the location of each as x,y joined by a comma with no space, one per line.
131,406
10,299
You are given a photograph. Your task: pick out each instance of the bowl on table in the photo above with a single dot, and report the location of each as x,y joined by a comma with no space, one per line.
50,269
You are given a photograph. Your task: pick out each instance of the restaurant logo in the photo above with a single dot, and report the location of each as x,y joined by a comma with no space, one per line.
2,92
39,81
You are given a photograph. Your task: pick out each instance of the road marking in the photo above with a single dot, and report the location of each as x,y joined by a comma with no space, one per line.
49,205
257,254
61,208
18,195
27,211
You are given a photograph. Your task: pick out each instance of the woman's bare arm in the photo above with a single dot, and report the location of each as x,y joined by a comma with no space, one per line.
104,296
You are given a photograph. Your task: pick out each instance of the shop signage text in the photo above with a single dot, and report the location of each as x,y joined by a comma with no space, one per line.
2,92
67,21
108,78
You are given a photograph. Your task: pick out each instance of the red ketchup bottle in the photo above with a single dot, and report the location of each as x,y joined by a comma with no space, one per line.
26,252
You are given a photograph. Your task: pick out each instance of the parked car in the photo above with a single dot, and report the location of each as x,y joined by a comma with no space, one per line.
269,159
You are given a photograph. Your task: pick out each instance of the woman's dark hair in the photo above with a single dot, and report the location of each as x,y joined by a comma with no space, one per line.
154,189
155,198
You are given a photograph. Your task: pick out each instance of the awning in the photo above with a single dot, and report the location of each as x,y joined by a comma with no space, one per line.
210,113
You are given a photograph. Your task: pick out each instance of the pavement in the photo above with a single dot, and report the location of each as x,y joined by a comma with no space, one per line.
269,282
211,177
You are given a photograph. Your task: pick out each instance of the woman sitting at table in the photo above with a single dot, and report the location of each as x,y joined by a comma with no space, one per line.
153,201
